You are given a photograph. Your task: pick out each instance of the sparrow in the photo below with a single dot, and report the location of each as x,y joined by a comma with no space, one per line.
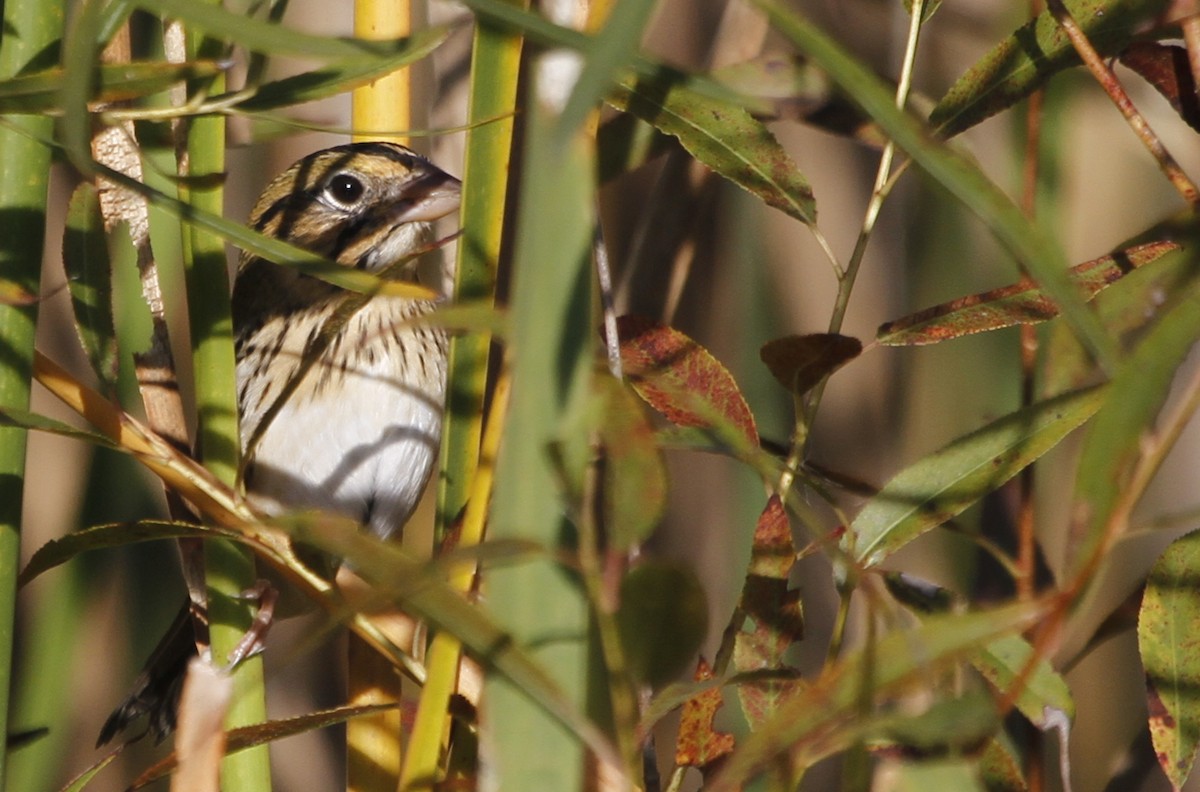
340,397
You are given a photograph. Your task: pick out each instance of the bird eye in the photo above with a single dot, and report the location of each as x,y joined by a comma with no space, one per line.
345,189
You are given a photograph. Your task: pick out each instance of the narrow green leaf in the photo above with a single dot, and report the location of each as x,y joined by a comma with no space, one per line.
258,35
823,716
1035,249
105,537
943,484
1026,60
334,78
38,92
609,52
1113,444
12,416
724,137
1003,662
89,277
1170,648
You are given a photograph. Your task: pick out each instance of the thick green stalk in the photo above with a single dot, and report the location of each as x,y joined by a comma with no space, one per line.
551,348
229,569
29,30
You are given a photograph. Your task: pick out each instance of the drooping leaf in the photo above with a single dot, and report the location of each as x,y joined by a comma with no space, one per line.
799,362
774,615
699,744
680,378
1165,66
1027,59
89,277
943,484
724,137
1169,644
826,714
635,477
1021,303
663,620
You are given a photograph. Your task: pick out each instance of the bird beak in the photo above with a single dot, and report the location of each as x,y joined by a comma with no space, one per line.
433,197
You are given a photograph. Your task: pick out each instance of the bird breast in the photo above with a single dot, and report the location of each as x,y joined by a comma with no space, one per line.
359,430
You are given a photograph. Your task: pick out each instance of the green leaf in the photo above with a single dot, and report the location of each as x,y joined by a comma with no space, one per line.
635,478
334,78
11,416
104,537
38,92
1114,443
943,484
1169,644
1027,59
956,723
1004,662
1035,249
609,52
260,36
724,137
663,620
89,277
827,713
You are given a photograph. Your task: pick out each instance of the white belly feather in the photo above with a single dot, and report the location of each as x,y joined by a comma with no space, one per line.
360,443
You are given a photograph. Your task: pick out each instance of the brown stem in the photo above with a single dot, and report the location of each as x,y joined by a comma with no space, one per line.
1112,86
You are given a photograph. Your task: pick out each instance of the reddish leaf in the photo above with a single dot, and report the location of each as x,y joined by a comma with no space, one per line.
12,293
1166,68
799,362
699,743
1021,303
775,612
680,379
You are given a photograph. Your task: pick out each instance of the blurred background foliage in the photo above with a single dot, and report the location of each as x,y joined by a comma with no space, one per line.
713,261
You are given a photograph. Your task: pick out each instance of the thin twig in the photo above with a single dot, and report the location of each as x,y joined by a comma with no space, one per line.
1112,86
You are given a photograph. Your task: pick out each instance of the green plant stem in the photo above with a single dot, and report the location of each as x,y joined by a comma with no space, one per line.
229,569
28,29
540,603
847,277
